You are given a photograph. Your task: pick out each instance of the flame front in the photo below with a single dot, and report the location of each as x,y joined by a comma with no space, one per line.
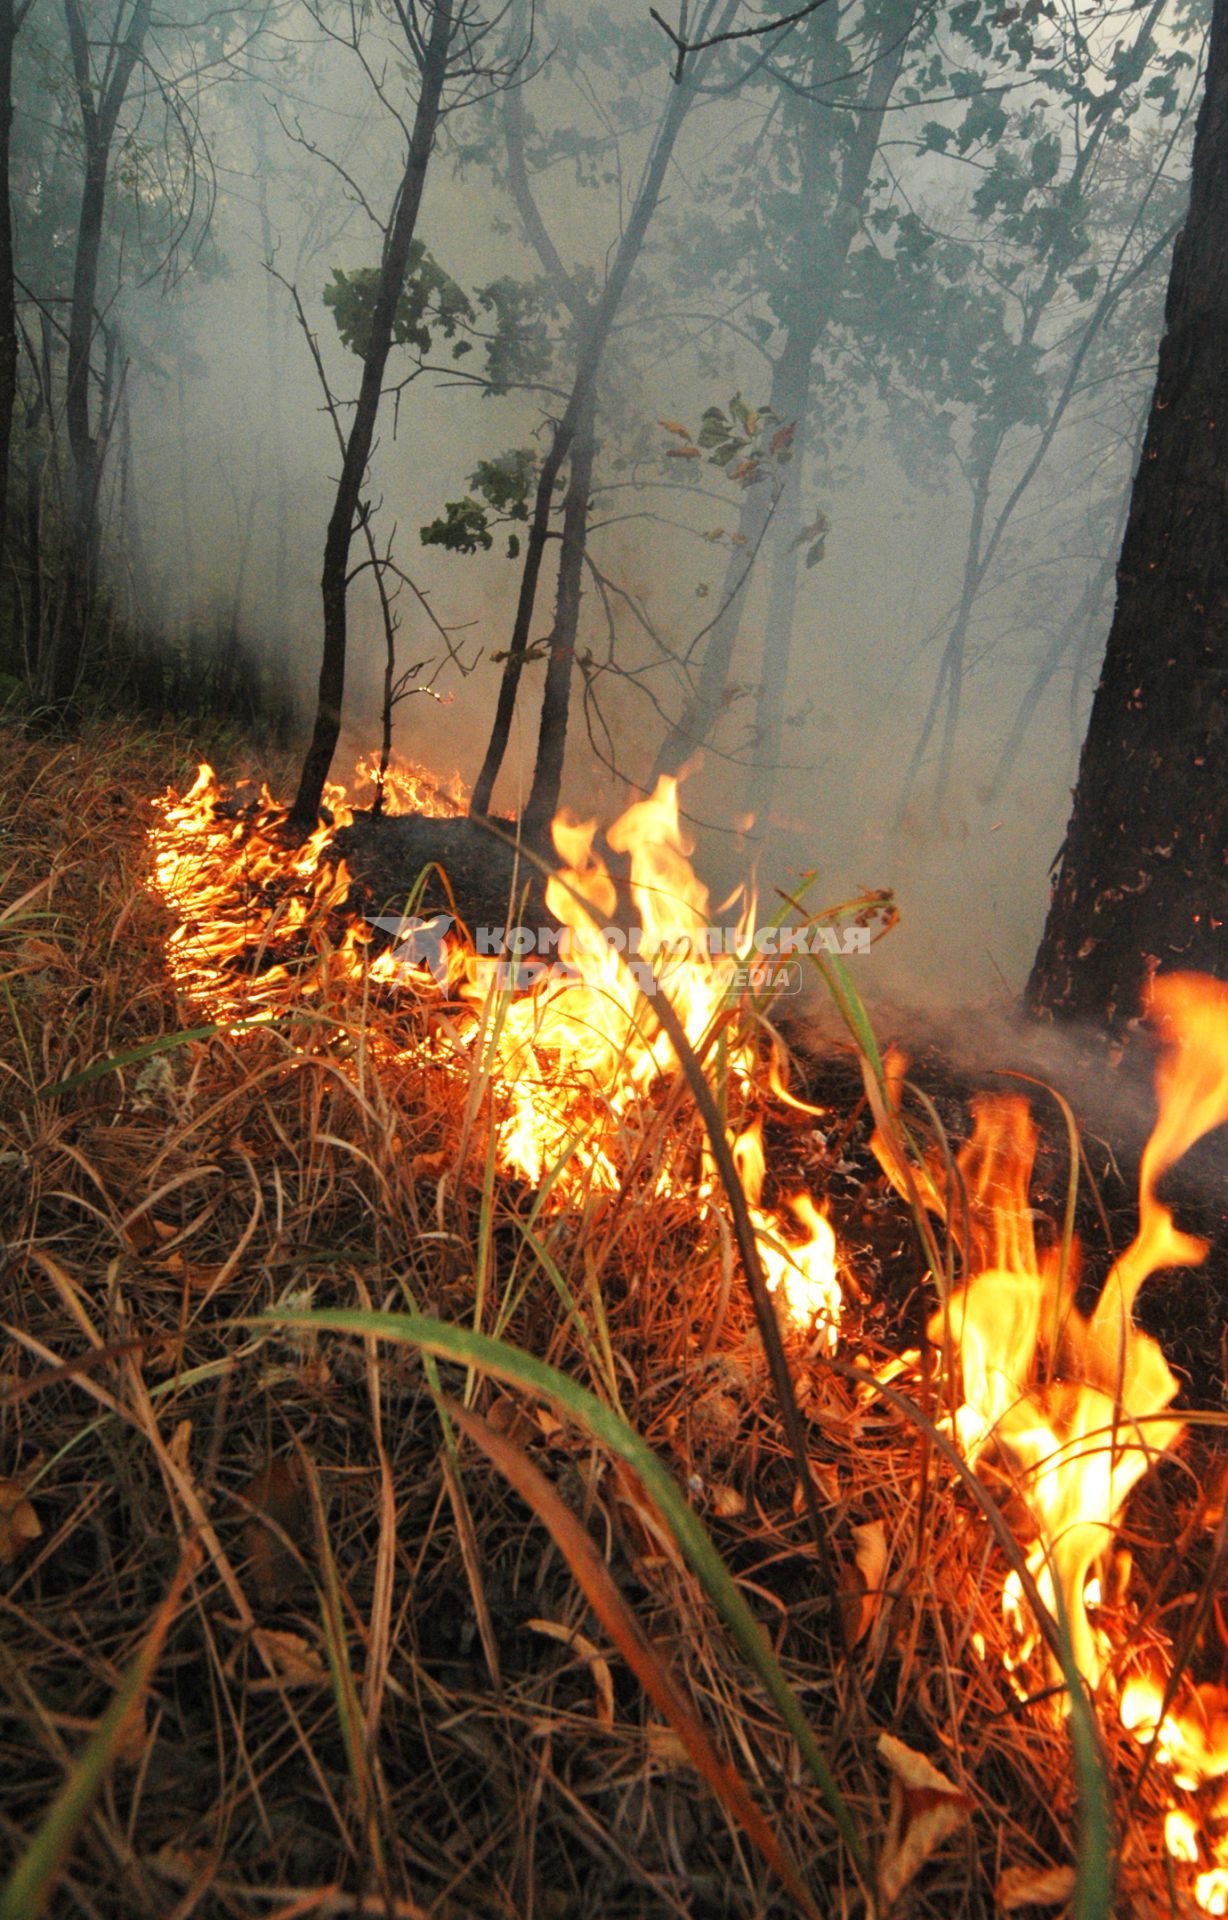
578,1061
1075,1408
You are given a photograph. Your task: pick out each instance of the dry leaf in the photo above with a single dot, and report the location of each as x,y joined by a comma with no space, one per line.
200,1279
19,1524
293,1658
665,1749
861,1588
549,1425
599,1666
925,1811
1021,1887
508,1416
277,1495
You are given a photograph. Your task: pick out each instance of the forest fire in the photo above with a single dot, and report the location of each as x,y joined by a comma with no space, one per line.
577,1060
1070,1408
1073,1408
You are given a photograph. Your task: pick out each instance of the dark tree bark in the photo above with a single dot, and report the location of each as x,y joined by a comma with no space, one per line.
543,801
99,116
1142,883
334,577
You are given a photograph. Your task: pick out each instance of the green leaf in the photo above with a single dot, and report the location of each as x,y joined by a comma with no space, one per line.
464,527
430,301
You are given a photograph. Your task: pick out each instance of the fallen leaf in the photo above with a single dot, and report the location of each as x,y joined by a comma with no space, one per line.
665,1749
19,1524
1021,1887
598,1665
506,1415
925,1811
276,1494
676,426
549,1425
861,1587
294,1659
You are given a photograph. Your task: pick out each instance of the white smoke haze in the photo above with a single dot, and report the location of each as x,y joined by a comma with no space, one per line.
234,458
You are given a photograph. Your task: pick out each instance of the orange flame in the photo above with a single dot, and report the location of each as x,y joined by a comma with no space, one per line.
577,1062
1075,1406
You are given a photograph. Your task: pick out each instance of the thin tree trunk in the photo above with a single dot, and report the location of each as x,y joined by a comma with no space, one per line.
778,636
62,659
1071,630
1074,632
1142,883
334,577
134,542
699,717
980,551
789,400
594,338
276,365
40,368
543,801
187,519
8,289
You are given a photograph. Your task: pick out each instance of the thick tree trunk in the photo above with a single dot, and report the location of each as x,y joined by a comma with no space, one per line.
543,801
1142,883
334,577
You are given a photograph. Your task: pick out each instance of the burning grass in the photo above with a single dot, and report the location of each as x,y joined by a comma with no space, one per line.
406,1625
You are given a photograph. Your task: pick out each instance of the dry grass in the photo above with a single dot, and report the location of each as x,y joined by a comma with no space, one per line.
381,1691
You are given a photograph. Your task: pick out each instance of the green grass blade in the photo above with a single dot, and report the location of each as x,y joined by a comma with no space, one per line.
505,1362
133,1056
29,1886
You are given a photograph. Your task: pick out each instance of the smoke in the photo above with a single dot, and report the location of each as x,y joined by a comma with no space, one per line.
235,455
